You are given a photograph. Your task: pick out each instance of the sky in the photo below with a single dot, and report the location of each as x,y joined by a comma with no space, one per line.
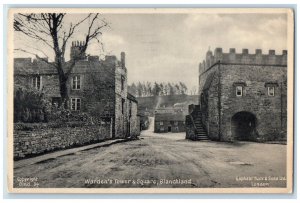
169,47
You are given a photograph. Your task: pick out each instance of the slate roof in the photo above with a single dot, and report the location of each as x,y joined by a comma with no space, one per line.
25,66
169,117
131,97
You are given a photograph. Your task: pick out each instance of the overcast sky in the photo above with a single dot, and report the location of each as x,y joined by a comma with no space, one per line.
169,47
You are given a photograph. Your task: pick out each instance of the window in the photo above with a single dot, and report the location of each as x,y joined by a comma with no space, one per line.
130,106
239,91
76,82
271,88
271,91
123,105
75,104
37,82
122,82
175,122
161,123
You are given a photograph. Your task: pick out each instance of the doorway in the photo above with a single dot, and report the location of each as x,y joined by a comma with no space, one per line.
243,126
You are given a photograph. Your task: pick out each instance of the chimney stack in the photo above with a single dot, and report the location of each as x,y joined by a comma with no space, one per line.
123,59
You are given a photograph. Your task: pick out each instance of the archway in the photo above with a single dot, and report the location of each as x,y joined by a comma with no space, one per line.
243,126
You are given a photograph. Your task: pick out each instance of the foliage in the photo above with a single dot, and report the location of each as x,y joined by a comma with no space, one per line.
146,89
30,106
53,31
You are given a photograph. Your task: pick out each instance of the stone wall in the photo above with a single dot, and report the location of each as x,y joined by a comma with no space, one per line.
41,140
245,57
218,77
180,127
134,119
209,85
270,111
121,100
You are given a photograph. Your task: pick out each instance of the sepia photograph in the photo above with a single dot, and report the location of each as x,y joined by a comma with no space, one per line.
150,100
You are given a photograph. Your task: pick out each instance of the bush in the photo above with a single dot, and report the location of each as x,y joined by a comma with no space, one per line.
30,106
49,125
60,114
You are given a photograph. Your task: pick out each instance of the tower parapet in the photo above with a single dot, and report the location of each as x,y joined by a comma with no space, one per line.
258,58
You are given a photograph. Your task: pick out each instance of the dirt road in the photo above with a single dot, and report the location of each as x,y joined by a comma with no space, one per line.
164,160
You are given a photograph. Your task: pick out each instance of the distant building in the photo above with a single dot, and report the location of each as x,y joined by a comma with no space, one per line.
242,96
97,87
171,109
169,122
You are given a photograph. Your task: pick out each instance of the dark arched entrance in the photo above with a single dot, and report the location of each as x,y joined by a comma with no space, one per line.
243,126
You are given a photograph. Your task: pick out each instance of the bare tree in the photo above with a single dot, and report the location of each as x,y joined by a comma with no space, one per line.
54,32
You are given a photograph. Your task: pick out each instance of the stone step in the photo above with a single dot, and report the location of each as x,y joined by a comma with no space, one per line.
202,139
202,136
201,133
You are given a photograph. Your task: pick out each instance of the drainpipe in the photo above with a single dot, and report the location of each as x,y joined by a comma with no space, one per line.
281,106
219,101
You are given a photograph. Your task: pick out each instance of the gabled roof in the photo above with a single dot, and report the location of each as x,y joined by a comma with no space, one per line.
131,97
169,117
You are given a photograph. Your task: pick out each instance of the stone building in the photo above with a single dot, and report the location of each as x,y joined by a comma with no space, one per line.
242,96
169,122
96,87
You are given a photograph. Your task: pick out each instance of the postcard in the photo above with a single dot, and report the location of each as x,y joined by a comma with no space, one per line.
150,100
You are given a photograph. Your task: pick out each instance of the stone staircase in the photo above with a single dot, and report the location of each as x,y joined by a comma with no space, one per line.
201,134
200,131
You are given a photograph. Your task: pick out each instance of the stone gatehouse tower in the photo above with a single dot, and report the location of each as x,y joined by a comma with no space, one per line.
244,96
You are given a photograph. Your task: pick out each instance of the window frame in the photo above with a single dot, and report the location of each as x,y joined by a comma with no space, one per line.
34,82
237,89
76,99
122,82
76,81
161,123
273,92
123,106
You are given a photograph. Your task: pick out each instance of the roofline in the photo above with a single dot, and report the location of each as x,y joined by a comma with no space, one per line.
247,64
